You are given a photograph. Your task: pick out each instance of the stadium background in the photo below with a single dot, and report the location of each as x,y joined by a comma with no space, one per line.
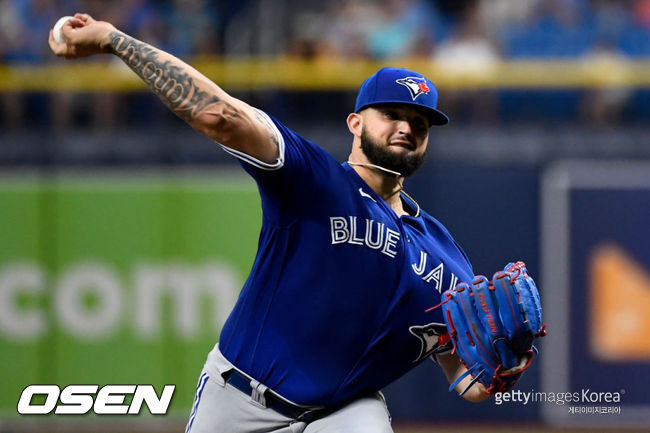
125,235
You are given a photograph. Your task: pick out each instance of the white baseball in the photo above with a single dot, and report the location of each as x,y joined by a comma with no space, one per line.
56,31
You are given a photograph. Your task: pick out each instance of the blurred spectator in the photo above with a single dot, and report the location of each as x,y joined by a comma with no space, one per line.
468,46
635,38
468,52
387,29
12,47
610,17
13,40
499,14
603,106
193,27
348,24
553,28
406,26
41,15
641,11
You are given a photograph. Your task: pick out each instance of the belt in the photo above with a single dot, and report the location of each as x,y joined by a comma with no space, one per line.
276,403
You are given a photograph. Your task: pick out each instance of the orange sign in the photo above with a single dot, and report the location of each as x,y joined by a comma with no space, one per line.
620,305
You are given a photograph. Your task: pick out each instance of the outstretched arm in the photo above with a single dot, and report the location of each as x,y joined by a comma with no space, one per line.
183,89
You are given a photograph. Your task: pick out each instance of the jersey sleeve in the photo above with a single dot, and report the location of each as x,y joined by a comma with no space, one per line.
296,178
254,162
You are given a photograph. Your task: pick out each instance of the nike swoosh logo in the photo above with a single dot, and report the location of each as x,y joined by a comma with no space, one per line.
365,194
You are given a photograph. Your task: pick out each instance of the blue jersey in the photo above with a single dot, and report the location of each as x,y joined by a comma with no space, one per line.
335,302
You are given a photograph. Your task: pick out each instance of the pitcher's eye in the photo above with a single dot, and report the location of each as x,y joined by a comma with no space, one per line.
420,125
390,114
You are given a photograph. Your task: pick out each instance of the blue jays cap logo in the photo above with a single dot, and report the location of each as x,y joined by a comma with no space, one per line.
416,85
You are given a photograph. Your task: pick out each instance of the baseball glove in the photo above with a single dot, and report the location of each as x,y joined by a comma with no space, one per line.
493,325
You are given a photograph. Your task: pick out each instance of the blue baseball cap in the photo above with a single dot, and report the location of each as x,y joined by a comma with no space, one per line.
401,86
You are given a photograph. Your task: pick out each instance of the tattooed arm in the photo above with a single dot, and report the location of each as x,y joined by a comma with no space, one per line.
184,90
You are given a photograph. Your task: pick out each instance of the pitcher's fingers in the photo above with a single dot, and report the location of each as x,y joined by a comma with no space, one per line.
57,48
87,19
75,23
68,29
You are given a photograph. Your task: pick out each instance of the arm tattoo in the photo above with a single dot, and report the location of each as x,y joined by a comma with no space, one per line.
272,135
170,81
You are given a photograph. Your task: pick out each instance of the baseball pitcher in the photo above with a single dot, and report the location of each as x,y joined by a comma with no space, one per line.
353,284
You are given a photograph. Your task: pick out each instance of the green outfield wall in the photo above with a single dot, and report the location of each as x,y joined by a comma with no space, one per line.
117,279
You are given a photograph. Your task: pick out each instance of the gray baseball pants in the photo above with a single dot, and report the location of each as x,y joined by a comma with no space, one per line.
220,408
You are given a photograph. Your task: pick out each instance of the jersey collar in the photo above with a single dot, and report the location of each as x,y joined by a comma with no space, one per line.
410,206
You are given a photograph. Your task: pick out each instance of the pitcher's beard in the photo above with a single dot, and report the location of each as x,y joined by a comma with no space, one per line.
404,163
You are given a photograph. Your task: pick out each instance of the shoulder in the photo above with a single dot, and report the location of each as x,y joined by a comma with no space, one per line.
433,224
294,143
440,231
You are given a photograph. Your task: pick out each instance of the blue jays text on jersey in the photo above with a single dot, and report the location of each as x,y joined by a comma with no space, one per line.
334,306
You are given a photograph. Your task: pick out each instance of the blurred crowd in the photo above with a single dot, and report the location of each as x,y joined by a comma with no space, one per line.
473,33
379,29
478,30
180,25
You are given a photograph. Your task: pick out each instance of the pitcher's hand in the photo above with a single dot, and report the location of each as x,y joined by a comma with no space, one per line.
83,37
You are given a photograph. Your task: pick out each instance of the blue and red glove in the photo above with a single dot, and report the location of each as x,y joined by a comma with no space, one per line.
493,325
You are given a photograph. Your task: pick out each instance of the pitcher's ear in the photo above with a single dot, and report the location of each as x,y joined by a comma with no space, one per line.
355,123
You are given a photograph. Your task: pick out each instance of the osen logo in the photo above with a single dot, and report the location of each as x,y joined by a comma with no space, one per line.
81,399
